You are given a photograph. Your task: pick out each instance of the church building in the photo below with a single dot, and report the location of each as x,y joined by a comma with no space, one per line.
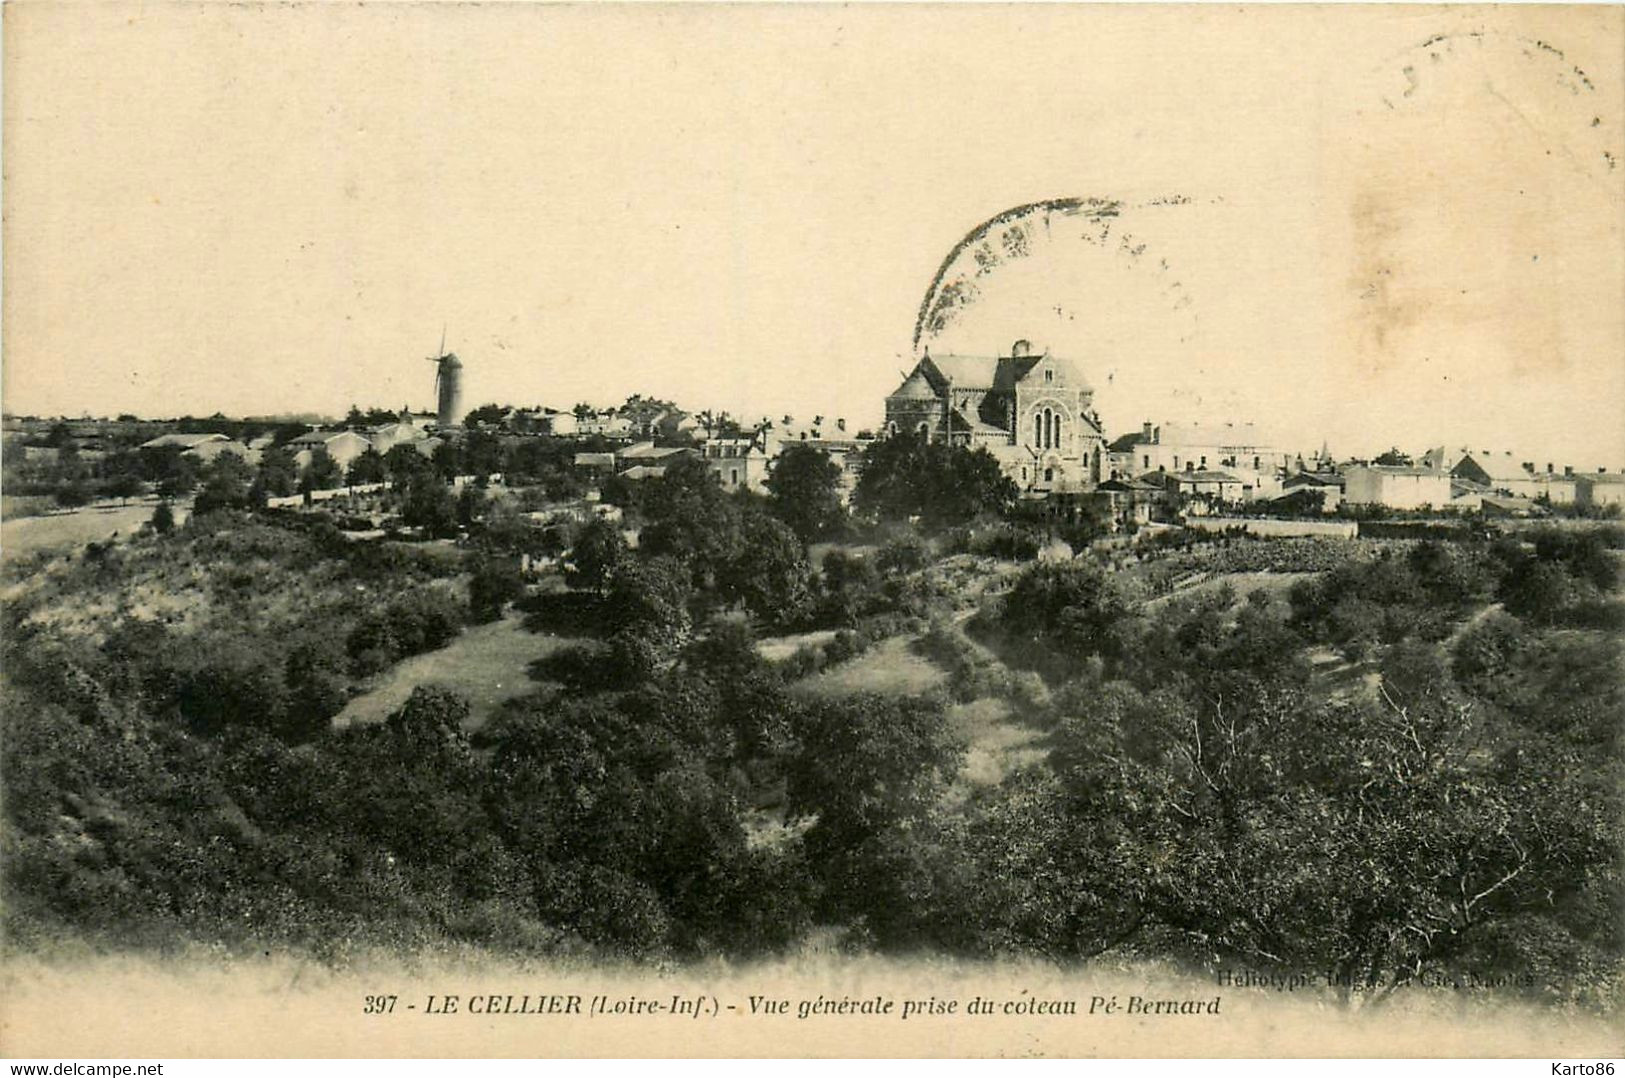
1032,412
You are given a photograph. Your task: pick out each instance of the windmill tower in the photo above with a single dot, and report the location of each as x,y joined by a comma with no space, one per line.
448,386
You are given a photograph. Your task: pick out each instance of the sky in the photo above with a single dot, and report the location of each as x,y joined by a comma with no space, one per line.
1355,225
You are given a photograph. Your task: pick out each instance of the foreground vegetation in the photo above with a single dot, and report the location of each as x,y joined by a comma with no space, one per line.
1197,794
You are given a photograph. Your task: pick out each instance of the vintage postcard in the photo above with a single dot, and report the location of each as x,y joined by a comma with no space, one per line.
791,530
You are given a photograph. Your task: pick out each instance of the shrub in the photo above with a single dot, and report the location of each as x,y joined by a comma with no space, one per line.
496,583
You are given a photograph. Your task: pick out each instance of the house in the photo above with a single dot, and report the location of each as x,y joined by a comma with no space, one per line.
1174,447
1329,484
1396,486
601,462
1599,490
1031,411
203,447
1130,501
737,462
182,442
647,453
558,424
344,446
606,424
1496,472
1199,491
388,436
845,449
671,423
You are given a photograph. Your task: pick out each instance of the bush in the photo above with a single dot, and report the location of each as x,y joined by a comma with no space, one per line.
906,554
496,583
420,621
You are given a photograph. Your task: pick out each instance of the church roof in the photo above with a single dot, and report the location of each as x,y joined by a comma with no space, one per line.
967,372
916,386
958,420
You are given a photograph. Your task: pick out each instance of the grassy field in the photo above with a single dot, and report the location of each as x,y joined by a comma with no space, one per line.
999,742
28,534
777,648
487,665
890,667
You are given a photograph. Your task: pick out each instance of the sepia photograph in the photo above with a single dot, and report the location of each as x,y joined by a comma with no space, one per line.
812,530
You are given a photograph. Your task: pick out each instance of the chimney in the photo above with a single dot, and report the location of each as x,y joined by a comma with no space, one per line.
789,420
1145,432
1190,465
1568,469
840,424
1549,468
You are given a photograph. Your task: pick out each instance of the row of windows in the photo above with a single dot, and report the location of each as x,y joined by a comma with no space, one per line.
1047,429
1228,462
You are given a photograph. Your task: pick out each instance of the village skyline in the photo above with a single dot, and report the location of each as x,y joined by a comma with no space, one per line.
1422,248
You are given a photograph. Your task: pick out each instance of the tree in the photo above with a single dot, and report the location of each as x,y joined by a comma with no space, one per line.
494,584
278,472
904,477
804,491
72,495
864,763
598,552
427,504
405,463
481,453
322,473
692,518
126,485
448,460
163,518
175,472
649,597
368,468
1074,607
769,574
487,415
470,505
221,491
